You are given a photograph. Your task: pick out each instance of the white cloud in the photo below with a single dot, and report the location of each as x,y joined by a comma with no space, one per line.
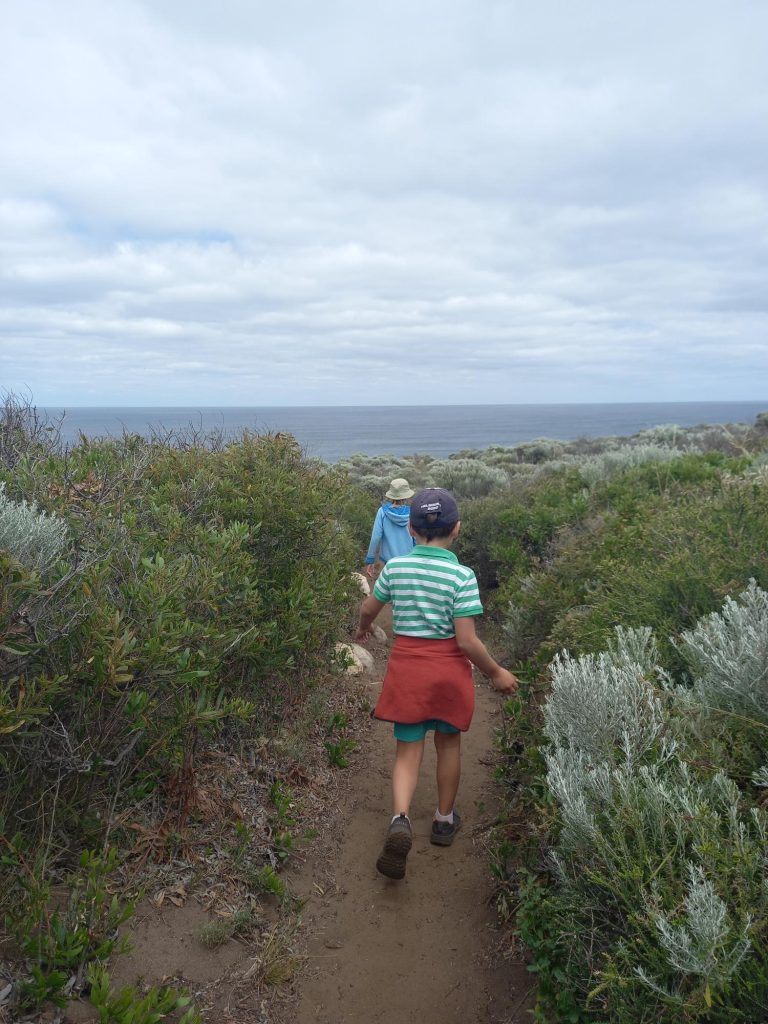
274,203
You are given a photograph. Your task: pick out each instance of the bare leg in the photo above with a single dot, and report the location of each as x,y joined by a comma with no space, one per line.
405,774
448,747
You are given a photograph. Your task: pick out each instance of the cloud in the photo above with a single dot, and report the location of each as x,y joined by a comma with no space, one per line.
242,204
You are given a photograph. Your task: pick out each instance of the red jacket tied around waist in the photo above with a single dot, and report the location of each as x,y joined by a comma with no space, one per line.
427,679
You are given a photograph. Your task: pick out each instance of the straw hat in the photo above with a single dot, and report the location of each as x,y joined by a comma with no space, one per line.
399,490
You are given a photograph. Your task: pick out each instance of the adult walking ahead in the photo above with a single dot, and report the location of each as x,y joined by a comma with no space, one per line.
390,535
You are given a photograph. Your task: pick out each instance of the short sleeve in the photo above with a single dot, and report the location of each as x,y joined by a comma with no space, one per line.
467,599
381,588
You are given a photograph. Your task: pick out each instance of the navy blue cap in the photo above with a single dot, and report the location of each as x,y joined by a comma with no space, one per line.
434,506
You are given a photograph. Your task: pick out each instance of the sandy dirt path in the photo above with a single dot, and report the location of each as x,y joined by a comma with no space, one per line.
424,949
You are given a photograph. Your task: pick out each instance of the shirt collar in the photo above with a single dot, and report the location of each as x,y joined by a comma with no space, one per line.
427,549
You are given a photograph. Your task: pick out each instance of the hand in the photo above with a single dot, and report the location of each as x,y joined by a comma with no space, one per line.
370,571
504,681
362,636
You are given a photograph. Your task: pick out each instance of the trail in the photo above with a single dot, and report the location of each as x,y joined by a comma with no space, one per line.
423,949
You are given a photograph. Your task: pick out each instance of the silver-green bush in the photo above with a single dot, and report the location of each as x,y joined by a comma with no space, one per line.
602,704
728,655
34,539
661,903
597,468
467,478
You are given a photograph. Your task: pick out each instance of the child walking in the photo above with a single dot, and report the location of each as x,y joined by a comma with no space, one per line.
390,536
428,683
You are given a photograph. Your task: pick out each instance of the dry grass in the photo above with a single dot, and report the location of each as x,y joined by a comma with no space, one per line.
276,962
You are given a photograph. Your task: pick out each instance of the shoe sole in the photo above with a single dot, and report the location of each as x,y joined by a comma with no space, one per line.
439,840
392,860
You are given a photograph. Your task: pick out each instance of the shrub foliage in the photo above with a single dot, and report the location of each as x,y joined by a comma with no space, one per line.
635,599
156,596
659,863
160,595
201,587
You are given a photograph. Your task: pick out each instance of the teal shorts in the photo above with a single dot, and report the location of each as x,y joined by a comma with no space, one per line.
417,731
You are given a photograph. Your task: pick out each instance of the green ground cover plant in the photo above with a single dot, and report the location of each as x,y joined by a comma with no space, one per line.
131,1007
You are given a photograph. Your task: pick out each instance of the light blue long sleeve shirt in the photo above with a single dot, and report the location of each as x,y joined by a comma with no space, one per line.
390,535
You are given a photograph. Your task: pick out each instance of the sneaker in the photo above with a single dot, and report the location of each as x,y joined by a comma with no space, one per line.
444,832
397,845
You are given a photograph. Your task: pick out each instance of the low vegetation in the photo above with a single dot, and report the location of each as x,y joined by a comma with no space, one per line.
168,604
159,599
627,579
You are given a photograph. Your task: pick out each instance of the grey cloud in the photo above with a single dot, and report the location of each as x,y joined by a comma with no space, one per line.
286,200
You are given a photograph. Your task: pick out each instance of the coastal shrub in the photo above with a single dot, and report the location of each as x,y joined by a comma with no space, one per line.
466,478
723,699
198,598
25,433
602,704
542,449
201,591
29,535
602,457
506,535
662,544
727,653
656,906
667,435
355,511
658,548
373,473
597,468
480,534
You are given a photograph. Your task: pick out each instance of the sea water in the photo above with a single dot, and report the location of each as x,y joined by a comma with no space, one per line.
332,432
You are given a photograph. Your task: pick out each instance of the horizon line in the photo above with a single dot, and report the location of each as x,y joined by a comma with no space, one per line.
416,405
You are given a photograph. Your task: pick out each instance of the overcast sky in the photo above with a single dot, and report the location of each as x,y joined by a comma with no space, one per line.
303,202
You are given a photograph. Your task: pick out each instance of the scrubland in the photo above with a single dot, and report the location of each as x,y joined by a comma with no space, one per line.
165,598
627,579
160,601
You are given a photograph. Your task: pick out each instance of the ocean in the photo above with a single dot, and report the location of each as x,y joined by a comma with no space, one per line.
330,433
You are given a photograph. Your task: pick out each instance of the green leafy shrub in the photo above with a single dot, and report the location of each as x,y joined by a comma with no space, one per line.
130,1007
200,595
507,536
59,936
206,589
355,511
657,550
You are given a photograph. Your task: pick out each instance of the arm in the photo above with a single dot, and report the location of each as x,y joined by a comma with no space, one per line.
376,534
369,609
474,648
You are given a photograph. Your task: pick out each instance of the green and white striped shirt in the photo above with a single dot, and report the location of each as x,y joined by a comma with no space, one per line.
428,588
